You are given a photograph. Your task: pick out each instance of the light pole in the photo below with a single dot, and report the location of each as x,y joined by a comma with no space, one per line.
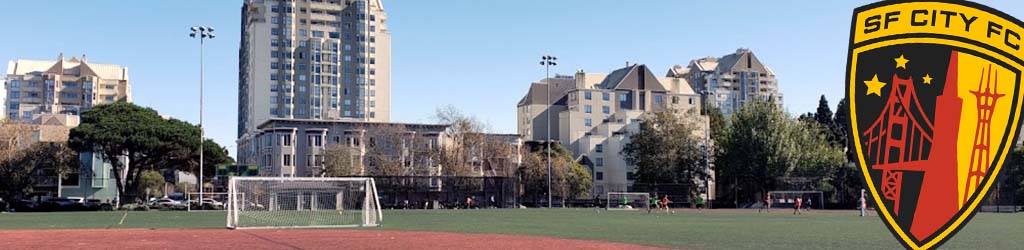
547,61
707,149
203,32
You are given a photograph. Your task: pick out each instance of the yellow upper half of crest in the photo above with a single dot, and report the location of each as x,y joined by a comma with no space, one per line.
940,19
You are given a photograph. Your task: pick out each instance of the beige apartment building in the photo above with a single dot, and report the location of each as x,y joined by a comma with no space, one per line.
65,86
593,115
731,81
313,60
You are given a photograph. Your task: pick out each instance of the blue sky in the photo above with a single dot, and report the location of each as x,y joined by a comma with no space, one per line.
479,56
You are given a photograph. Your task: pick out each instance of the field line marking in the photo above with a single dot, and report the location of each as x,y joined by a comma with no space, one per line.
123,217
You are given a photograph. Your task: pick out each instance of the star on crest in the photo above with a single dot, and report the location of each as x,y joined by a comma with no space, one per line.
901,62
875,86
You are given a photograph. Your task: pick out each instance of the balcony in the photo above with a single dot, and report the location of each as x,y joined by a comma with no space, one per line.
325,6
323,17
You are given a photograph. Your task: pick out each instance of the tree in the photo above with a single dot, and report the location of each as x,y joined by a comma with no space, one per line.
1013,175
19,168
668,149
717,121
467,140
847,179
342,160
151,184
386,150
569,179
213,154
824,114
763,149
124,131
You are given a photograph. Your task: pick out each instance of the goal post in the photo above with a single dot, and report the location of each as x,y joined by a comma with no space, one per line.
627,201
785,198
300,202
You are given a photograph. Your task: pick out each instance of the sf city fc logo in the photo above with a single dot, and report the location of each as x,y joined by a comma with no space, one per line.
935,97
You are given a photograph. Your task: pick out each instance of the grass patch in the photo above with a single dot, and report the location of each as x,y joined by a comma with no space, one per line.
728,229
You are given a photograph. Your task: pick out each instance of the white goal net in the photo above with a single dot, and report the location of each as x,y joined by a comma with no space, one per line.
627,201
290,202
787,199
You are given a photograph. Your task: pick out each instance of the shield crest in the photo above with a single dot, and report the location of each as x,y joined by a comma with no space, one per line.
935,102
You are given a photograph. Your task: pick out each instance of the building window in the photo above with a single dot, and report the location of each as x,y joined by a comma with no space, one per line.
588,109
287,160
588,95
15,94
109,98
606,110
659,99
599,161
588,122
15,84
606,96
286,139
599,148
318,33
600,176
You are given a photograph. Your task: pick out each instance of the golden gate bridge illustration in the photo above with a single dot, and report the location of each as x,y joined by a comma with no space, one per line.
903,138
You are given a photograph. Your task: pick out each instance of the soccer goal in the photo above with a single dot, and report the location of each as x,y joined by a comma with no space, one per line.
627,201
291,202
811,199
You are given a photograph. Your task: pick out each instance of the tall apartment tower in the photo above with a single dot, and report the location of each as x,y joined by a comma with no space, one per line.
65,86
313,60
731,81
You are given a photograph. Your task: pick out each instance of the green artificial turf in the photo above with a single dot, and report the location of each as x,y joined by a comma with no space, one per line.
731,229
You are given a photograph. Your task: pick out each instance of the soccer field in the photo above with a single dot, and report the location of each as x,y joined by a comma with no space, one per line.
715,229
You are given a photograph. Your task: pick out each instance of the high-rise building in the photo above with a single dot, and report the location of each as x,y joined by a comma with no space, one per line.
731,81
592,115
61,87
313,60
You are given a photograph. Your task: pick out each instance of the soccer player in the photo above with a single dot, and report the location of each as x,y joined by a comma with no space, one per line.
625,202
796,207
653,204
700,204
767,204
664,202
863,203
